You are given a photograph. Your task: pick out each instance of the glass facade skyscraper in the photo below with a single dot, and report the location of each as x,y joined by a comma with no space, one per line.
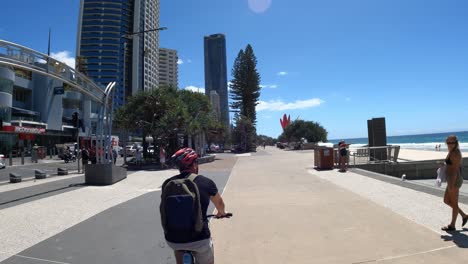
105,49
216,72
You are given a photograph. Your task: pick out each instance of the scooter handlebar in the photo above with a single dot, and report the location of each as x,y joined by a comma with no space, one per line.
228,215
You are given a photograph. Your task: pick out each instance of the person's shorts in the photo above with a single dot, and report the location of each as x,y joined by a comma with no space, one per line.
343,152
202,250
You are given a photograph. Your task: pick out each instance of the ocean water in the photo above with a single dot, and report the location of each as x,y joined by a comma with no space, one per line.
422,142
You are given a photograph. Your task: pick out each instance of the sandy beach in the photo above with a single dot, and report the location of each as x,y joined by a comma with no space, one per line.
419,155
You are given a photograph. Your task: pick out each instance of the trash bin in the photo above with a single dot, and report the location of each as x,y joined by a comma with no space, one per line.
34,154
41,152
323,158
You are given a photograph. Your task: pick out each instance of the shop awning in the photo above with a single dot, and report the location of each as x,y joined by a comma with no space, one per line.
17,110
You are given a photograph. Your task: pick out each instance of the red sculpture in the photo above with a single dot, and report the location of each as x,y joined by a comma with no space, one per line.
286,121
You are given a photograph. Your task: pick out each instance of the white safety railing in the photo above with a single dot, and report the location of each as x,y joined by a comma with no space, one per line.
17,56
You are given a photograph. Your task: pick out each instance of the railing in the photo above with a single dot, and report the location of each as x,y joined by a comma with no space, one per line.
369,155
17,56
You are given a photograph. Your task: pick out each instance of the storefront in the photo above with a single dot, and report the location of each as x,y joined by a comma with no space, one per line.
15,139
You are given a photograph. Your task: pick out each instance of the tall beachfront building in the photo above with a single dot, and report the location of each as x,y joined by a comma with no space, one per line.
168,67
216,72
107,51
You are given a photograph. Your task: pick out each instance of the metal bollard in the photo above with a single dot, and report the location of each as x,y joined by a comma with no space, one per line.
22,157
11,158
50,153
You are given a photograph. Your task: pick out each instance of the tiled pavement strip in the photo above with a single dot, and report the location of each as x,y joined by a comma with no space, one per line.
425,209
418,202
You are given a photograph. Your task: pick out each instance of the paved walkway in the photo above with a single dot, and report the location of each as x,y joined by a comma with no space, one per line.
287,212
284,212
116,224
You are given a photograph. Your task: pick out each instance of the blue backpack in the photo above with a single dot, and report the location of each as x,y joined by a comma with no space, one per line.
181,214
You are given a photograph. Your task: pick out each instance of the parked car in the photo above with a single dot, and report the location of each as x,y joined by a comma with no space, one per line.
214,147
151,150
2,161
280,145
131,149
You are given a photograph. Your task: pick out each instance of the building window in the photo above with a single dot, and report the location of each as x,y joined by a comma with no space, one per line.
23,74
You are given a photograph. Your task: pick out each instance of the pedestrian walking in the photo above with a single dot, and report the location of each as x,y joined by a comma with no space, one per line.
84,158
453,172
114,155
162,157
138,157
343,152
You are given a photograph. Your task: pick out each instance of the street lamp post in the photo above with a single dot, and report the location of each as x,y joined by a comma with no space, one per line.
129,36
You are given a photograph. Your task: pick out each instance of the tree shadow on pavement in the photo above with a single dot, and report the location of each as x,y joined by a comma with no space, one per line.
460,238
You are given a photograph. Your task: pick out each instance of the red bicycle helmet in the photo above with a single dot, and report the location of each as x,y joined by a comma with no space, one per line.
183,158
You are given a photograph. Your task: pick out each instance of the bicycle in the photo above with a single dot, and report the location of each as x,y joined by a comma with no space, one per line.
187,257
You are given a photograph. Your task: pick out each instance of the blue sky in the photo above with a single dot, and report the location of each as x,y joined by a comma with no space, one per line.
337,62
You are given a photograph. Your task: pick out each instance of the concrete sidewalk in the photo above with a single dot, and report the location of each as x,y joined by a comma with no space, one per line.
287,212
284,212
116,224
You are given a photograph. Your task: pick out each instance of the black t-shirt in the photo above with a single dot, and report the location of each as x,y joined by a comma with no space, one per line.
84,154
206,188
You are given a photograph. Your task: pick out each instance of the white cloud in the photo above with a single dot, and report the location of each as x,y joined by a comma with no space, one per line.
279,105
195,89
180,61
64,56
282,73
272,86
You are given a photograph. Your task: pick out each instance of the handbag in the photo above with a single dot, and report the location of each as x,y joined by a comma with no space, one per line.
441,176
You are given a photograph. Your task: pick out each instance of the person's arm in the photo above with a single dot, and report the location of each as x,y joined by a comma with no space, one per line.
219,204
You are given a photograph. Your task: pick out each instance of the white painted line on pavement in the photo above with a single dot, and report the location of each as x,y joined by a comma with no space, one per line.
150,190
224,189
44,260
414,254
229,178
